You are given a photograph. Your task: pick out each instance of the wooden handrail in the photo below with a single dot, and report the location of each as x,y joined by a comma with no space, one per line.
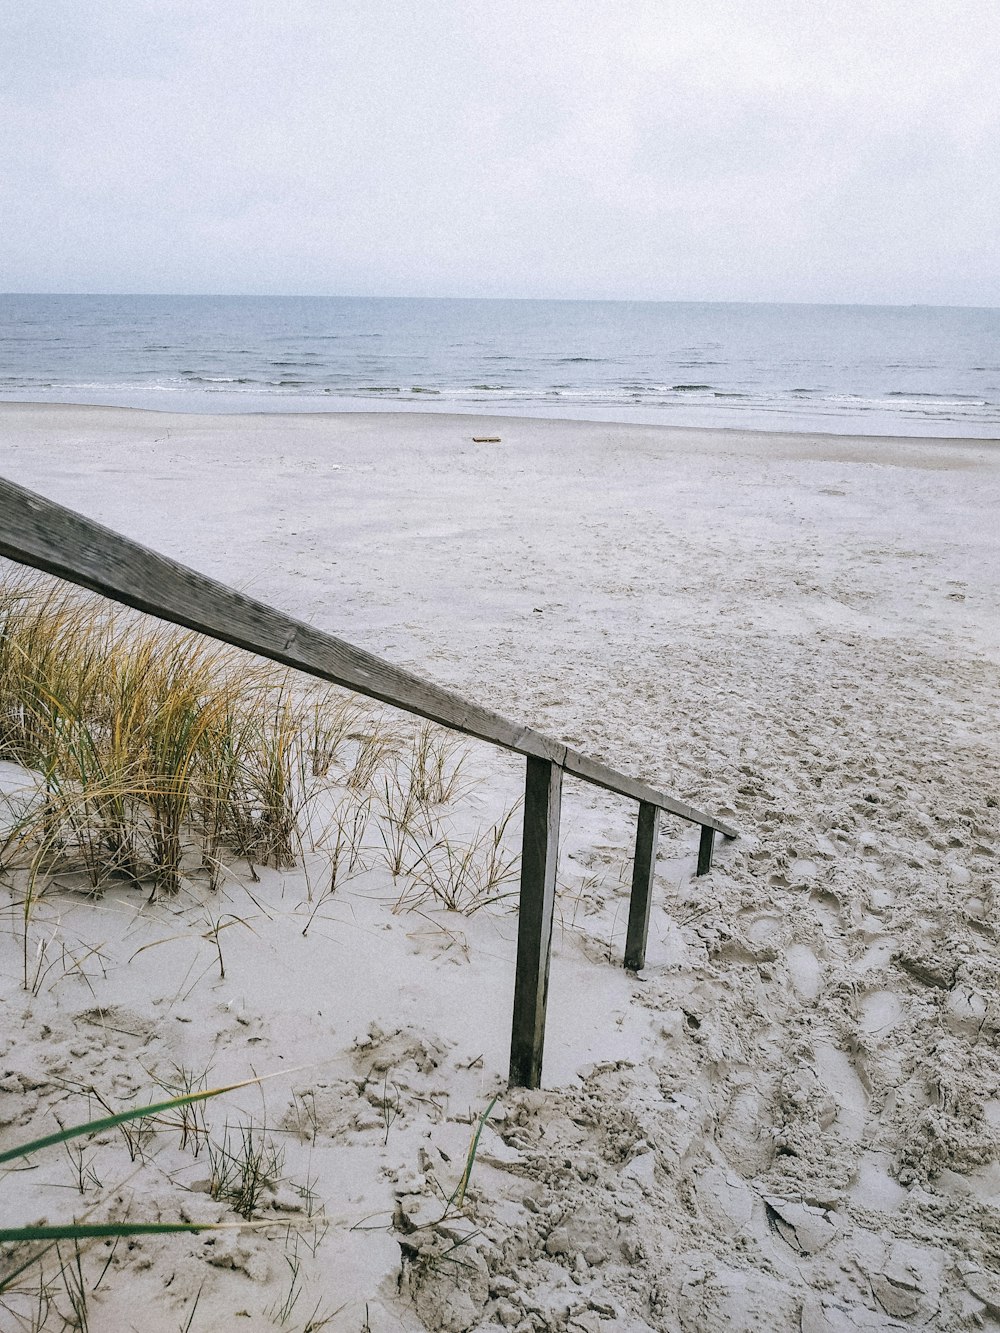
37,532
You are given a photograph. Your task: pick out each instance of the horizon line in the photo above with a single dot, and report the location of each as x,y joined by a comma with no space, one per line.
565,300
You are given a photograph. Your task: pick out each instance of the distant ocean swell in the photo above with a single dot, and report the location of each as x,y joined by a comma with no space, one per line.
956,406
923,371
898,411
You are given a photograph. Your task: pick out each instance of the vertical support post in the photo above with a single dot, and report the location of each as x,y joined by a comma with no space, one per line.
643,868
705,847
542,795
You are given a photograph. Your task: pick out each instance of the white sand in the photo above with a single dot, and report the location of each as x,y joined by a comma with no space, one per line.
792,1119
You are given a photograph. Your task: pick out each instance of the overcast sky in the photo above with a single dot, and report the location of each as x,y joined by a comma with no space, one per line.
662,149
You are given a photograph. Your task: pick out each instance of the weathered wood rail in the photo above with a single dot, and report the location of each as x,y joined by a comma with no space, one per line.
36,532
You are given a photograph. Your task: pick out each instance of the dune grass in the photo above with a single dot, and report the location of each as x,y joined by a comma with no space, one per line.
150,744
152,754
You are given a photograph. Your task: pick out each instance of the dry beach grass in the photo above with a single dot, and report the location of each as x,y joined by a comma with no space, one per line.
790,1120
147,750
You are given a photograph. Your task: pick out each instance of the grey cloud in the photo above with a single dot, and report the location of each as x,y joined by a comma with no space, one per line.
660,149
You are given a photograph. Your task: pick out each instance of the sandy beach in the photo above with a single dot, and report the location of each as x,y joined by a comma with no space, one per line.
791,1118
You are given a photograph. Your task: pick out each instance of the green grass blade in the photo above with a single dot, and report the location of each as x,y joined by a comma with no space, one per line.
99,1230
458,1197
112,1121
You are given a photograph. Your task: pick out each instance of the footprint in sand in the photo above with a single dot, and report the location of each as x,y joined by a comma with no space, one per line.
804,970
840,1078
763,928
874,1187
876,956
880,1012
829,909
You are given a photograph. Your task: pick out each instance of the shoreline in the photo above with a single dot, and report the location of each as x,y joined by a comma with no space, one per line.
371,415
511,411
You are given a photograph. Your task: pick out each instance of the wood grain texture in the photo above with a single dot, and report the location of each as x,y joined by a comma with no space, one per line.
539,855
590,770
643,870
37,532
706,845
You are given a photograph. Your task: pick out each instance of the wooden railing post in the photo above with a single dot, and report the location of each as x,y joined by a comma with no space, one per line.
643,869
542,794
705,847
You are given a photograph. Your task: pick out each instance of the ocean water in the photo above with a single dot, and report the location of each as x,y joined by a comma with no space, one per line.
914,370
